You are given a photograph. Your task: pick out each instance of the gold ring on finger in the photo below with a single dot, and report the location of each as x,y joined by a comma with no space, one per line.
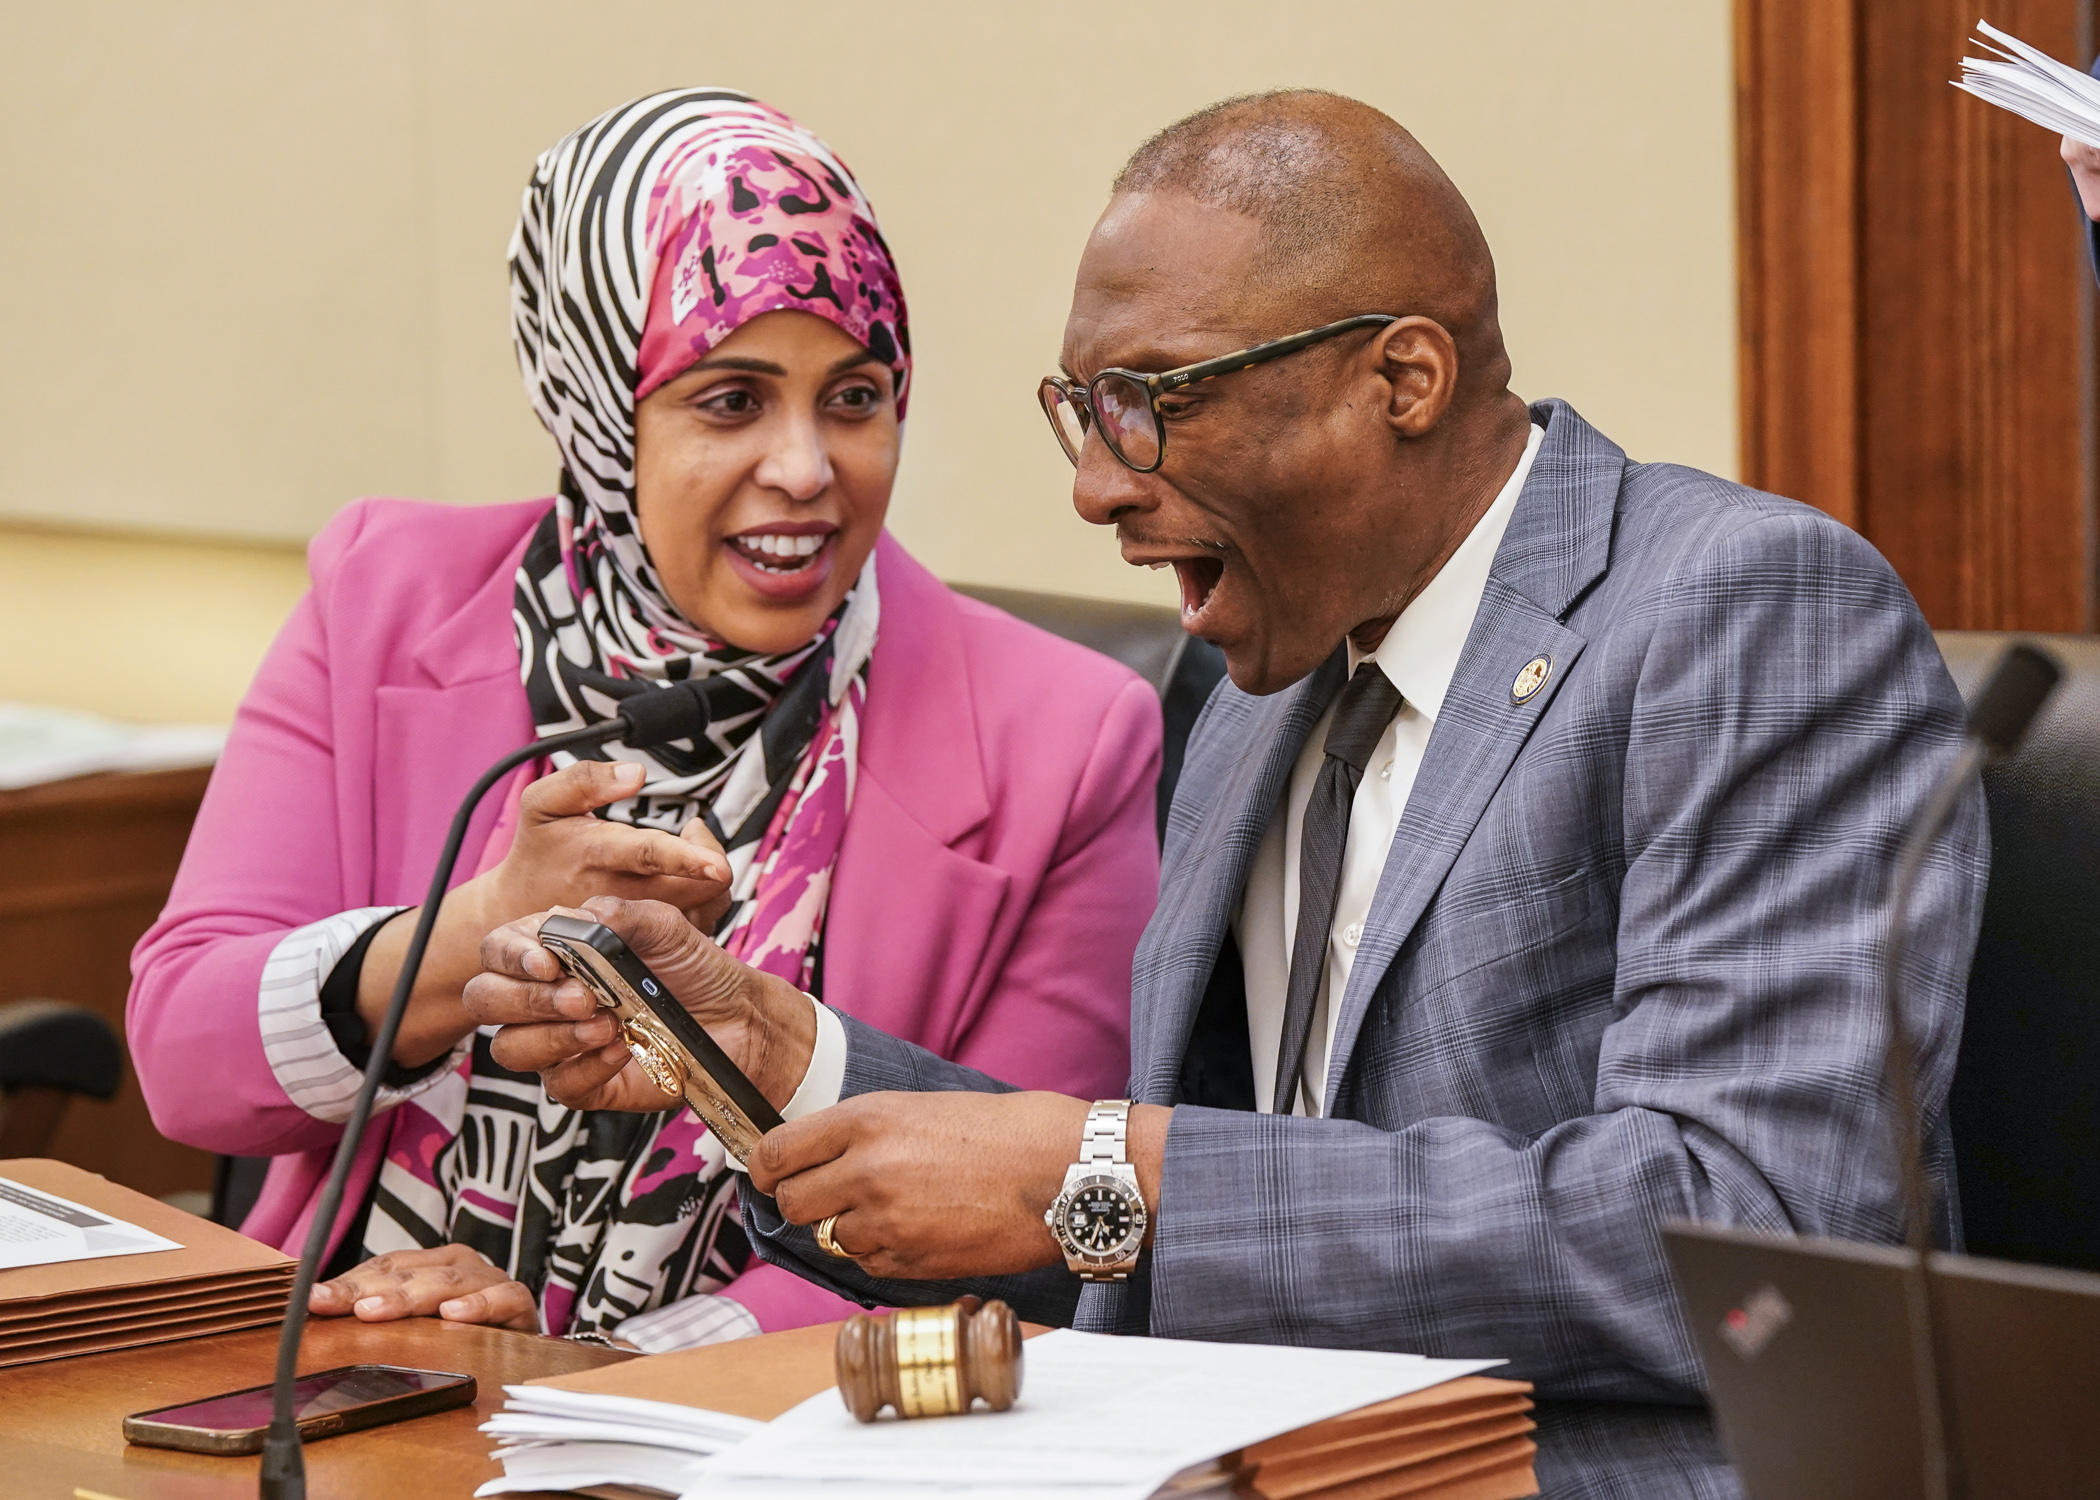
828,1239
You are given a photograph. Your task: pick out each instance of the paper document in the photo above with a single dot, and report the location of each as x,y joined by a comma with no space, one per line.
1102,1417
2033,85
551,1439
50,744
38,1229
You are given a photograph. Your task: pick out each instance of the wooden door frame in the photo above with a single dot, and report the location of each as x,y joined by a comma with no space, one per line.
1917,344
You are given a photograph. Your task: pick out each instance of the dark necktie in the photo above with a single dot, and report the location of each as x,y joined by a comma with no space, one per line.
1367,704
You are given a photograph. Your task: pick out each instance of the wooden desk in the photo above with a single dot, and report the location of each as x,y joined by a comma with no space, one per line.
85,867
61,1423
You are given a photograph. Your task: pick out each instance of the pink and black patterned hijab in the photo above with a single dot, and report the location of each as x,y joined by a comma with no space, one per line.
645,239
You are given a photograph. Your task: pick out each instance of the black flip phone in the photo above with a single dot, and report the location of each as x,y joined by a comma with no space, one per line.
333,1401
673,1050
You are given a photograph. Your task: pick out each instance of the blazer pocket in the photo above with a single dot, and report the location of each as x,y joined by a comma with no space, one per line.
1517,931
1502,1016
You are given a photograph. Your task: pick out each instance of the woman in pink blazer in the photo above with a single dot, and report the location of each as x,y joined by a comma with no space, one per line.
927,814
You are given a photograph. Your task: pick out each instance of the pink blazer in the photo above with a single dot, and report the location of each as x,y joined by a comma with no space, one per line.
997,867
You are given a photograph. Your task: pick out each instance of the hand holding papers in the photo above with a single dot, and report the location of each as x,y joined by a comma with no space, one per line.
2034,86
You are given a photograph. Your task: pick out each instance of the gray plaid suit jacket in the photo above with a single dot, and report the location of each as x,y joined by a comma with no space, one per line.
1621,968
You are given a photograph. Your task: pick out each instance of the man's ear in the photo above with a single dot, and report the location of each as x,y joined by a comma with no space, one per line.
1419,360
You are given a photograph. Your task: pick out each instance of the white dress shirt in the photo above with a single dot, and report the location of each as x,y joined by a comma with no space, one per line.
1418,656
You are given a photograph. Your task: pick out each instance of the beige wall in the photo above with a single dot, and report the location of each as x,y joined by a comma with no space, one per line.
154,628
253,253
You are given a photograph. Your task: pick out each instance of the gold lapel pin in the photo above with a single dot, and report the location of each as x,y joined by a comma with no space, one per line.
1531,678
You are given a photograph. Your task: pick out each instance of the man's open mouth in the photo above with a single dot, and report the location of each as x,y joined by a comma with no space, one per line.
1199,580
782,551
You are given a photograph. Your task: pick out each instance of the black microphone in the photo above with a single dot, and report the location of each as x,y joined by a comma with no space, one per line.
653,716
2024,677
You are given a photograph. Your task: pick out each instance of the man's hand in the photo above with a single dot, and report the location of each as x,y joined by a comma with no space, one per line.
2084,162
936,1186
551,1024
450,1282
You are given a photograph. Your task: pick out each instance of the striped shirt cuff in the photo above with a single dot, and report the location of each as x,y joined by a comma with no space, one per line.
308,1066
688,1324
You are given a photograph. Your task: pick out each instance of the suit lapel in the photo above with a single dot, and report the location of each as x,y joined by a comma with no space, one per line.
1557,545
918,734
1181,944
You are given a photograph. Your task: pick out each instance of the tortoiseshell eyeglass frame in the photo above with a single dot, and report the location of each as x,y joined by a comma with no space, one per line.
1055,388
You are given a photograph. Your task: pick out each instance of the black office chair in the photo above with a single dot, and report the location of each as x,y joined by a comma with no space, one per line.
50,1051
2026,1106
1147,639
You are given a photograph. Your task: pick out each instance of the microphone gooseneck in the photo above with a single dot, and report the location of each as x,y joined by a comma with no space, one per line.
654,717
2023,678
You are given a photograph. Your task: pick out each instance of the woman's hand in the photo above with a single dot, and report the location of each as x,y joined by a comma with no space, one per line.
450,1282
2084,162
552,1026
562,856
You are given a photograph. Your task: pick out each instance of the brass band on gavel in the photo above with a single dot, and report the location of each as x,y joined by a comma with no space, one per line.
930,1361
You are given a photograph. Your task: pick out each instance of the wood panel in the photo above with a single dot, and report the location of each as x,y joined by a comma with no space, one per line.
1917,311
85,867
1797,249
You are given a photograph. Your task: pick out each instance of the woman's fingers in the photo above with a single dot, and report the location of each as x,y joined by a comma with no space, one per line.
700,836
581,787
615,849
404,1284
508,1304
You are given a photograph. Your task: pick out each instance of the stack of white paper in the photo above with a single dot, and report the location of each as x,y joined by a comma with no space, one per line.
570,1440
51,744
1099,1418
2034,86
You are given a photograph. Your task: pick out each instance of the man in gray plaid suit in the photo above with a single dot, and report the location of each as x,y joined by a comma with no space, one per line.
1522,890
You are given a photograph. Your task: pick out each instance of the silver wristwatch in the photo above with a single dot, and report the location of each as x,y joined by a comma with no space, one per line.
1099,1218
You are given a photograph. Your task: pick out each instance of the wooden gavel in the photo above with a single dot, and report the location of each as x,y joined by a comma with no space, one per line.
930,1361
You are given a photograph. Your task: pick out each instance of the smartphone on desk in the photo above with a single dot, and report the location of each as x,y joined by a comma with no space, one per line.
673,1050
333,1401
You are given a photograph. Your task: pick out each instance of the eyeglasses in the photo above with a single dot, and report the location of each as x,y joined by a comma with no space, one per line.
1125,403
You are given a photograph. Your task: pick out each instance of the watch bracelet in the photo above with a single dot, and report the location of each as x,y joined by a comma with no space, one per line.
1103,1143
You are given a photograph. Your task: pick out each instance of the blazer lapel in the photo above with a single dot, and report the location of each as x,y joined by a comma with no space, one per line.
1181,944
912,908
918,735
1557,546
461,706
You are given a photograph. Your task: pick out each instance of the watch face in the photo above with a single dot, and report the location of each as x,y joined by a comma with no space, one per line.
1099,1218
